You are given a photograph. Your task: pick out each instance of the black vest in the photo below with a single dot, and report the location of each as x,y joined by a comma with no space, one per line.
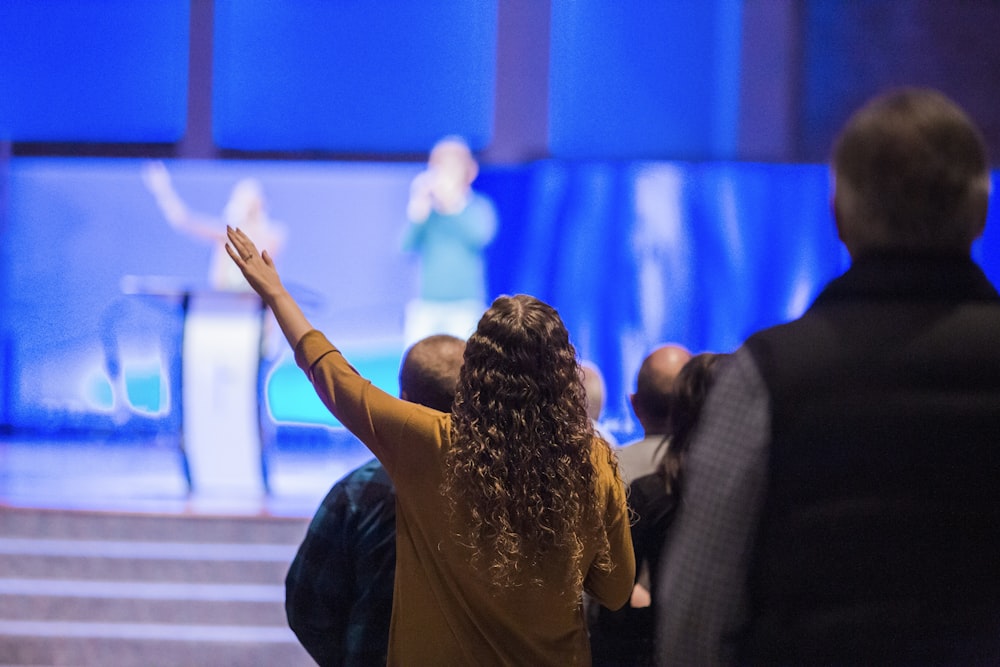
879,539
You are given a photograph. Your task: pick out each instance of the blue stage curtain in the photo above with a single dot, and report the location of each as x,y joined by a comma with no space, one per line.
637,254
633,254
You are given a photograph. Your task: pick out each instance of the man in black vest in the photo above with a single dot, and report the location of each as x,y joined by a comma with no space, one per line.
842,497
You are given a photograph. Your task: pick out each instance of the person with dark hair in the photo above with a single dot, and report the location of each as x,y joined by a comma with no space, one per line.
841,503
613,635
508,508
628,637
690,390
654,497
338,590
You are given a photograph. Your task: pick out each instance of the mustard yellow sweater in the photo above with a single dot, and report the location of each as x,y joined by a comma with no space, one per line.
444,612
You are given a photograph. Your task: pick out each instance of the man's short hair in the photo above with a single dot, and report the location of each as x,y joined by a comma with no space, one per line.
911,173
430,369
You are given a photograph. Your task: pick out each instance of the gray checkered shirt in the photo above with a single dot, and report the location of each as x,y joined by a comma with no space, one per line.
703,579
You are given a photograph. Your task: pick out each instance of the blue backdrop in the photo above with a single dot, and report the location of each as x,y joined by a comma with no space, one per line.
107,71
632,254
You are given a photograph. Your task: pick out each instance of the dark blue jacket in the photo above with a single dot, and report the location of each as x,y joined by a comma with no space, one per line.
338,591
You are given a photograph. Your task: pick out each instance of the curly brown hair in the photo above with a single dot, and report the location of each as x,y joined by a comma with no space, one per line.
520,475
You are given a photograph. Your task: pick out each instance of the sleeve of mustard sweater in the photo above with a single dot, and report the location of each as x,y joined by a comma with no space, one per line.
612,589
378,419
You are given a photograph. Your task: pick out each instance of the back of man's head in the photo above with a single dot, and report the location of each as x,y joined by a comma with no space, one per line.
654,387
430,369
911,174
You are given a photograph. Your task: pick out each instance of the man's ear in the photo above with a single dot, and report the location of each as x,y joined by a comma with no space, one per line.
835,210
980,228
843,229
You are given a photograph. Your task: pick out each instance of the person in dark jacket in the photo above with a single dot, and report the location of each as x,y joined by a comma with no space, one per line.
841,503
627,637
338,591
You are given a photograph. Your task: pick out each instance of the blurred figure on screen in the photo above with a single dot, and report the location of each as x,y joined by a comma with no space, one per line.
450,226
246,209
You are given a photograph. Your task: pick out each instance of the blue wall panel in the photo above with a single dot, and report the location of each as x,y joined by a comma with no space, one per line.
353,76
632,254
644,79
851,51
93,70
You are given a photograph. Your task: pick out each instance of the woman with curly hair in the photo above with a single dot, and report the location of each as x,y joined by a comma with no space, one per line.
507,509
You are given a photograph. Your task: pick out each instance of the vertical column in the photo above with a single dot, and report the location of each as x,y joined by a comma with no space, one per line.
197,141
520,131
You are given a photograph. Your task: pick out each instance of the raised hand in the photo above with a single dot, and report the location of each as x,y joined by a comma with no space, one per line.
257,268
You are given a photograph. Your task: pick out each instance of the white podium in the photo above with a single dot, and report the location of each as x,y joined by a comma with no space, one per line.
220,391
220,365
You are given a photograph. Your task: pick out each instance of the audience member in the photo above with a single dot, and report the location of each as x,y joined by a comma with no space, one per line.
338,591
508,508
627,637
841,503
595,389
651,404
450,226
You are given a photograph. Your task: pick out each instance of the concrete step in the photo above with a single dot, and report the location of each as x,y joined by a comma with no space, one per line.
125,602
67,567
148,645
144,561
92,525
109,589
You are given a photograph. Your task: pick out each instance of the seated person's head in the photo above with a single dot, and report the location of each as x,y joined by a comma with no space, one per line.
430,370
654,387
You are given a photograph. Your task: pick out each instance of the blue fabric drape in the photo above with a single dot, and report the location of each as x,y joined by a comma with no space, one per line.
637,254
632,254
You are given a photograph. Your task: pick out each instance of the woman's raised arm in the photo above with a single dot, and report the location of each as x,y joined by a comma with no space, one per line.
259,271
